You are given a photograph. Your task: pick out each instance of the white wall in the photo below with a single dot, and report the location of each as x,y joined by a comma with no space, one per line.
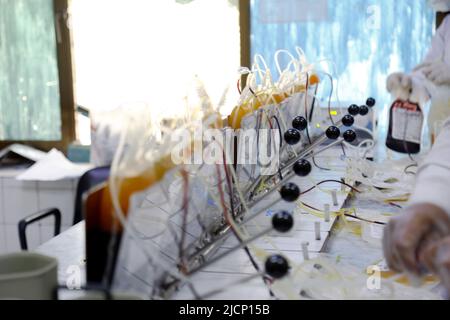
19,199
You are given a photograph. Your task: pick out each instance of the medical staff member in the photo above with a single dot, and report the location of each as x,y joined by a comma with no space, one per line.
433,72
419,240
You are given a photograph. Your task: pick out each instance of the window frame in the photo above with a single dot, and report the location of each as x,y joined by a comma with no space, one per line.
245,30
66,89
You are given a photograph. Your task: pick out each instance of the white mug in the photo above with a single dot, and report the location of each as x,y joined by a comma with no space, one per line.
28,276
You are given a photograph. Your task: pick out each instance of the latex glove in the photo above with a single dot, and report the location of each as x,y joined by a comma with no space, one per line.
437,72
405,236
399,85
436,257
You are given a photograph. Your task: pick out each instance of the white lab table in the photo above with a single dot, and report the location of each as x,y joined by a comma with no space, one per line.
68,248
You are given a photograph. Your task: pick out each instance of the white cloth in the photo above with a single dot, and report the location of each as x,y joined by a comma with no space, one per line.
433,176
439,52
418,85
438,73
440,45
440,5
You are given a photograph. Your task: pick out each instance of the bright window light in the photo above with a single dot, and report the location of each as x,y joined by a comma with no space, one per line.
128,51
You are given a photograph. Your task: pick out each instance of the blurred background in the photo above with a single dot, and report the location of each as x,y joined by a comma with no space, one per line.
64,62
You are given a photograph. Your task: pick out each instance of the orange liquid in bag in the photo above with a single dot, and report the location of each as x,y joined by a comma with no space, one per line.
103,229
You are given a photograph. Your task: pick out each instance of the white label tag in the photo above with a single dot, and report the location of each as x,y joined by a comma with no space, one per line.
376,231
407,124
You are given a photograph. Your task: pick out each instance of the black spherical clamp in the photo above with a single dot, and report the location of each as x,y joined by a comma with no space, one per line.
363,110
283,221
371,102
353,110
300,123
333,133
292,136
277,266
348,120
302,168
290,192
350,136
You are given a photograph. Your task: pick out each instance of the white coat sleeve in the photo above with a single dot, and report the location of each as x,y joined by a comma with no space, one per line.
433,175
425,88
436,51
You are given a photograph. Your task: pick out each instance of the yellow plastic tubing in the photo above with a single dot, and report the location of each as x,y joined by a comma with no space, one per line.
263,99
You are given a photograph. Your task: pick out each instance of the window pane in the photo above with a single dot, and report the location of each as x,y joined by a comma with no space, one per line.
149,51
366,39
29,95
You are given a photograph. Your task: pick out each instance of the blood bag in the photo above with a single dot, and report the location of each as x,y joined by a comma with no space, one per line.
405,127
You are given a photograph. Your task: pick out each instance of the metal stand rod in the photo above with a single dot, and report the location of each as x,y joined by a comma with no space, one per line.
226,232
235,283
310,148
241,245
292,161
290,174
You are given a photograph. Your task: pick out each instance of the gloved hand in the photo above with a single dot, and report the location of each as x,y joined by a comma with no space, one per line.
437,72
407,235
436,258
399,85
